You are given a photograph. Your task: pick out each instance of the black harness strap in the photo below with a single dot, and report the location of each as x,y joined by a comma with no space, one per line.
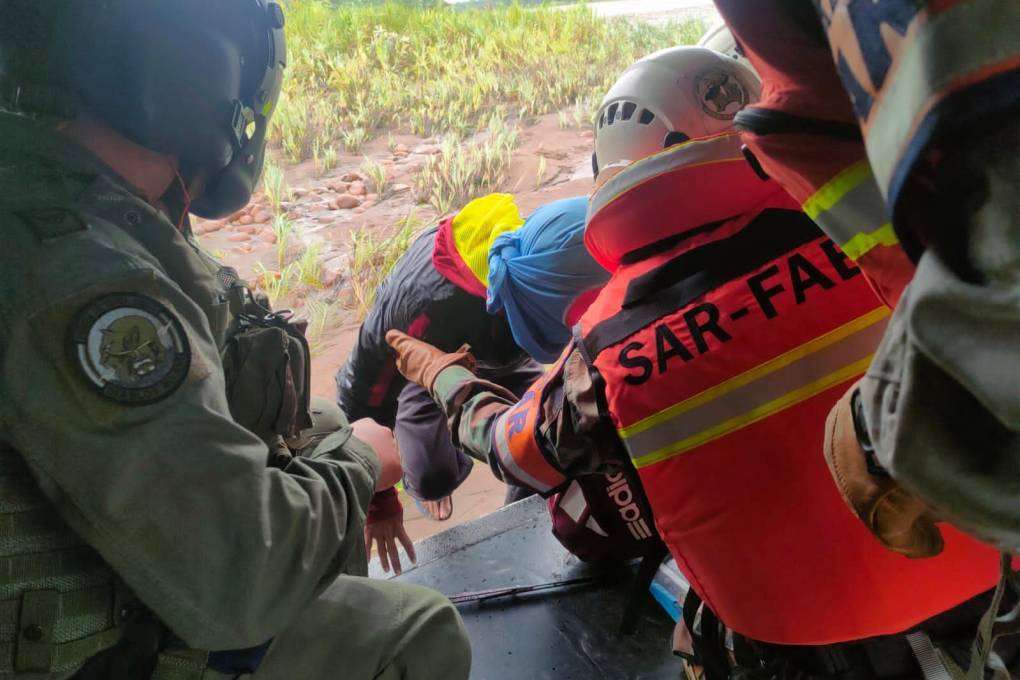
687,277
710,641
640,594
670,242
764,122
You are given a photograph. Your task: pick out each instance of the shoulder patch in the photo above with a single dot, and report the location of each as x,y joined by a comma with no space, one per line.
131,348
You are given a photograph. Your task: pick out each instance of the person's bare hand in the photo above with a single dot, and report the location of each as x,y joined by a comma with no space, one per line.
387,534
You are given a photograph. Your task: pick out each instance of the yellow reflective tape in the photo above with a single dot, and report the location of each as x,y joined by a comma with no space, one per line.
836,188
862,243
754,415
749,376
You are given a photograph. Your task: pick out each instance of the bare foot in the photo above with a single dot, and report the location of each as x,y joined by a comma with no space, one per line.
437,511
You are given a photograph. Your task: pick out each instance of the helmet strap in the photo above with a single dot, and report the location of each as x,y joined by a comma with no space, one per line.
186,196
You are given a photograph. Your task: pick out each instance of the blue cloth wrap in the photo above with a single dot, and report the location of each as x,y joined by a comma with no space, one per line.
536,272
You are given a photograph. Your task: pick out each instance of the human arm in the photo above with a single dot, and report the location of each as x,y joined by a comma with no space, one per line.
571,434
385,447
172,493
367,383
384,525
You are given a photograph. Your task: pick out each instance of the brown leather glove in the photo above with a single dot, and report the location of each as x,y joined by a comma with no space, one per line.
421,362
898,519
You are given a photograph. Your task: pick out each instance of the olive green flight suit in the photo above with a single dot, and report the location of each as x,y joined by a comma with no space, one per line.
123,476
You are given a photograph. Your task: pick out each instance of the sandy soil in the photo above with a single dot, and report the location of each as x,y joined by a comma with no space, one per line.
247,239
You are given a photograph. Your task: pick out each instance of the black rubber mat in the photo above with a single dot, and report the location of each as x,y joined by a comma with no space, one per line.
560,634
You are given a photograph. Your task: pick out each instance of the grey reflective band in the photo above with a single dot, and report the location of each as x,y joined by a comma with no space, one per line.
850,209
758,393
507,460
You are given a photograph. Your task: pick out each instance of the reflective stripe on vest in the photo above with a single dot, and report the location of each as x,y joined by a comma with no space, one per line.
758,393
851,210
925,53
721,400
695,153
519,453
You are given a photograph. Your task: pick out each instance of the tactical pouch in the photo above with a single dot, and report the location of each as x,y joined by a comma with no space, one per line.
267,367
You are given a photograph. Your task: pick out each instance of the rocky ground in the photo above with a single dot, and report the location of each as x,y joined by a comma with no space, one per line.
325,209
549,163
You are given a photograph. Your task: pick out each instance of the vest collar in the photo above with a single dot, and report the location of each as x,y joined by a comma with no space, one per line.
671,193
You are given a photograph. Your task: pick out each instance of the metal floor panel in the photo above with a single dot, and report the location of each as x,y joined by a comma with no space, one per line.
569,634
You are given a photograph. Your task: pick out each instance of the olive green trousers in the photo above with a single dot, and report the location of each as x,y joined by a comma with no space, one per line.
364,629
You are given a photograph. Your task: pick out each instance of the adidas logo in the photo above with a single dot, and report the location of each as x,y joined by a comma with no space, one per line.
619,490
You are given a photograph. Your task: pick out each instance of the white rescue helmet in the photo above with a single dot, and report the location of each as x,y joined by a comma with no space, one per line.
720,39
669,97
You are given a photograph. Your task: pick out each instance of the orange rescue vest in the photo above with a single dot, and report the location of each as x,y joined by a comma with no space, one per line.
721,403
719,358
804,134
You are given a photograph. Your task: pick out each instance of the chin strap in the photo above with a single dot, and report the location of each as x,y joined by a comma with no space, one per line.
177,201
186,208
38,100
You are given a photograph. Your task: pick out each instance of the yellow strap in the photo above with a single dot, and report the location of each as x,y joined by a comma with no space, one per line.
863,242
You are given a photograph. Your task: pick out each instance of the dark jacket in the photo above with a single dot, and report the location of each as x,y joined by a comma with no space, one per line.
419,300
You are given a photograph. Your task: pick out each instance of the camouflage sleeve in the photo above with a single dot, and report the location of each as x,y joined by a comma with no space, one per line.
570,431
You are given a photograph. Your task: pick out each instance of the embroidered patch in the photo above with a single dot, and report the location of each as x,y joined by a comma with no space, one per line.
720,94
130,347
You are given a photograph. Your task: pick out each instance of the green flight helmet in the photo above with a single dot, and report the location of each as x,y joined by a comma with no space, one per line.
196,79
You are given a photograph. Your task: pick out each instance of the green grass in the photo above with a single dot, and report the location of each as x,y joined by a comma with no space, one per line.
372,256
378,177
462,172
278,285
310,266
274,184
356,70
282,228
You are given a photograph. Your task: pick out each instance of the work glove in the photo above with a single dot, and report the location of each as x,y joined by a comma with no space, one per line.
897,518
421,362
